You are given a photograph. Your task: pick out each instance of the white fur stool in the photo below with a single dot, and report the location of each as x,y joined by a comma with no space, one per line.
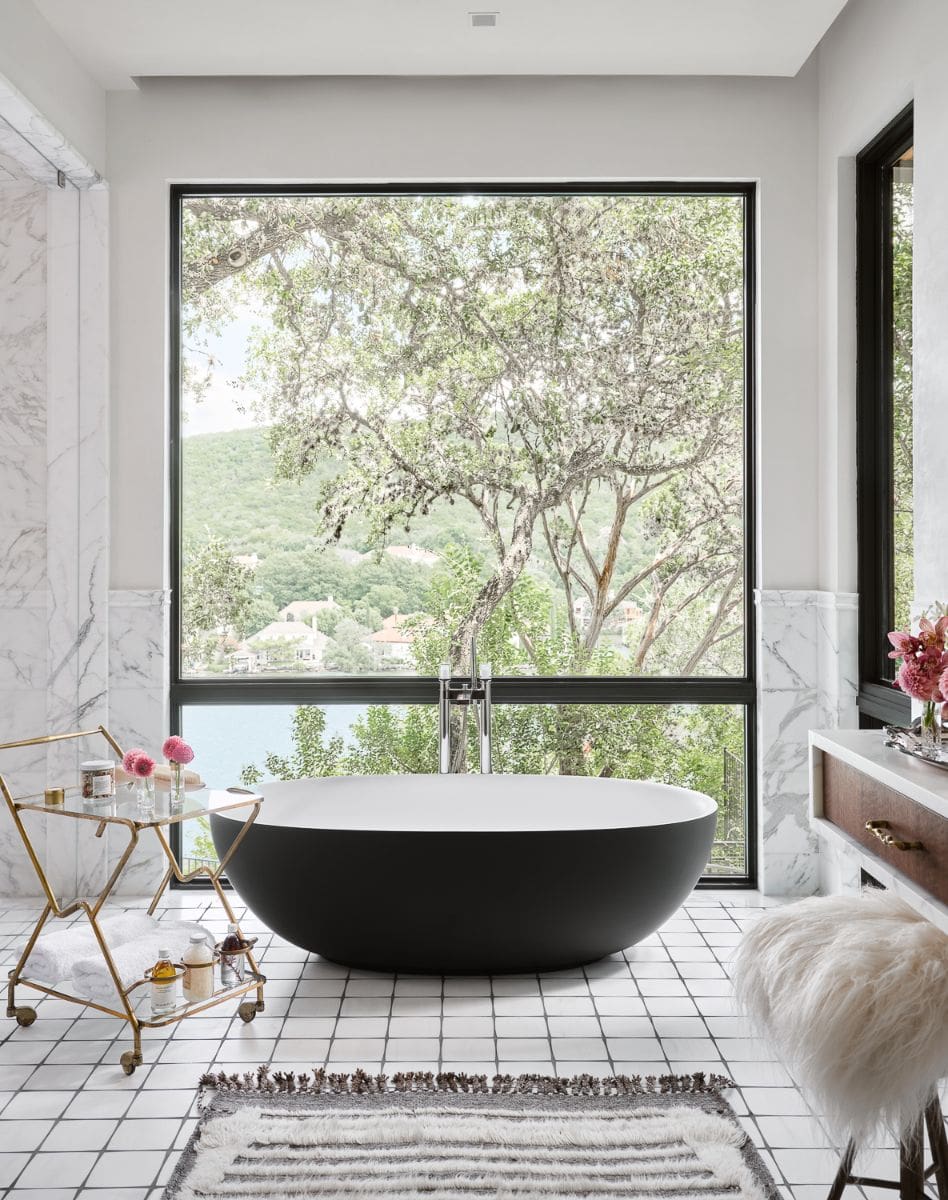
852,990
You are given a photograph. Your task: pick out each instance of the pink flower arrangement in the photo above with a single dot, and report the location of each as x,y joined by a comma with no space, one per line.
177,750
923,673
130,758
142,765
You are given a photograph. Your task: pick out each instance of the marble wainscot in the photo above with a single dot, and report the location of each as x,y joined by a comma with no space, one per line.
138,706
806,670
847,852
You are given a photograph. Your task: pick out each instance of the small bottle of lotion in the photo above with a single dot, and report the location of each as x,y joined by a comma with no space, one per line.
163,976
198,980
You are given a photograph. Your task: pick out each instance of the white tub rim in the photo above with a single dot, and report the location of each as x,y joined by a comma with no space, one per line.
453,804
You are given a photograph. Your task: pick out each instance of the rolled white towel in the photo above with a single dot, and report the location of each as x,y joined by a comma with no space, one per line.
57,951
91,978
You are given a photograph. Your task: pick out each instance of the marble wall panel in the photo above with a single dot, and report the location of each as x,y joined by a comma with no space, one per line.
806,680
138,705
23,641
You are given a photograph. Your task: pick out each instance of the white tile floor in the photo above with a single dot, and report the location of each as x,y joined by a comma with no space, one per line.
73,1125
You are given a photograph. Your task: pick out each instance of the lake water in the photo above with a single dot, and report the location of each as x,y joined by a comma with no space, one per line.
228,737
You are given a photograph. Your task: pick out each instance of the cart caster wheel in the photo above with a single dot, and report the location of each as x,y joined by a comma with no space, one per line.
25,1016
247,1011
130,1060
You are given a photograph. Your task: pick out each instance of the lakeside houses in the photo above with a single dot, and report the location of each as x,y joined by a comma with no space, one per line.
295,643
306,610
282,645
393,641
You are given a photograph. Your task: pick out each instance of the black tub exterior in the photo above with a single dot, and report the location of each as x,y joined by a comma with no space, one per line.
462,902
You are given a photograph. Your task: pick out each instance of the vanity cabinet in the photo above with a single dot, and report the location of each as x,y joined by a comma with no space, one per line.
880,811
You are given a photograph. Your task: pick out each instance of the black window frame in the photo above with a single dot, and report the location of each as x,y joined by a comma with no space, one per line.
878,701
738,690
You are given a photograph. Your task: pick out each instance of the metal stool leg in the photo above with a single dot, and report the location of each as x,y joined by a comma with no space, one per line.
844,1174
939,1146
912,1164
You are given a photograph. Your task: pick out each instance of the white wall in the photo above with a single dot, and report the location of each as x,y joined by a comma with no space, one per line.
35,60
478,129
877,57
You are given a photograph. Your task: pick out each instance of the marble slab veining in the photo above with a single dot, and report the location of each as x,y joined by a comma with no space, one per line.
53,510
23,585
138,704
806,680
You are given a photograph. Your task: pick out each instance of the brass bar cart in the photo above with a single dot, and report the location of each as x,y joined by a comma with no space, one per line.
125,814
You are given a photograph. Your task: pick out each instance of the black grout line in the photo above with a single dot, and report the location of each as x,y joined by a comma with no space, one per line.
493,1017
383,1062
546,1022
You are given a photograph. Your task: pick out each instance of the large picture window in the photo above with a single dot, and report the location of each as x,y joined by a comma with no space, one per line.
406,418
884,217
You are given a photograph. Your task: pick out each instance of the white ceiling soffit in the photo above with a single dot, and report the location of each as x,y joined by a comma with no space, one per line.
119,40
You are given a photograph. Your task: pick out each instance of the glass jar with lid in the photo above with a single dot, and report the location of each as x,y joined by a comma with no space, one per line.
98,779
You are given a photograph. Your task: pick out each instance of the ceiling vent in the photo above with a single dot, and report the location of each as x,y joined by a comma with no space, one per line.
483,20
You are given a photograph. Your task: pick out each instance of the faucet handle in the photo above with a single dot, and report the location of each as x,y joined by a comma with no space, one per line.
486,671
444,671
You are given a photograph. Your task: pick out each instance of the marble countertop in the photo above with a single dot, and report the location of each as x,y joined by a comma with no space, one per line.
865,750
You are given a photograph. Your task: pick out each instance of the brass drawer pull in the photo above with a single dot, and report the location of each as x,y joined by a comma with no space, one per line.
878,829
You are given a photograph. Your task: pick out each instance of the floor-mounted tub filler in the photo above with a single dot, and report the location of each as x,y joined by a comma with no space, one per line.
482,874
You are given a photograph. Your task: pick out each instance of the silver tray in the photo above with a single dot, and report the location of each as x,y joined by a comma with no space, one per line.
906,740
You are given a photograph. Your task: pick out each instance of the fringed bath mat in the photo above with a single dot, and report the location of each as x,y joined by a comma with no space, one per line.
339,1137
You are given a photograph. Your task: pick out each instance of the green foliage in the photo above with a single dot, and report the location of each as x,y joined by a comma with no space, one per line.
346,651
902,406
314,755
216,600
517,376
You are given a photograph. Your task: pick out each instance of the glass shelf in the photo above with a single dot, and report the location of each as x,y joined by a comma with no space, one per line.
184,1008
123,806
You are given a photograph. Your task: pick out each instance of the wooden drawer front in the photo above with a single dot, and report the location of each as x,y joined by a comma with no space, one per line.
850,799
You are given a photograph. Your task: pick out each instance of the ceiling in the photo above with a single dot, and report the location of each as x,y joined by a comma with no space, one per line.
120,40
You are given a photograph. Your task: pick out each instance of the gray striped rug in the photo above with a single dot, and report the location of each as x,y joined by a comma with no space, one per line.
341,1145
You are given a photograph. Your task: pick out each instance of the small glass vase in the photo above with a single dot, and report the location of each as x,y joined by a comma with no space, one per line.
176,791
145,795
930,729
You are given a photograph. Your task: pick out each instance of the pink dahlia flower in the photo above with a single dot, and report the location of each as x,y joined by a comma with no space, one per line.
177,750
129,759
920,678
143,766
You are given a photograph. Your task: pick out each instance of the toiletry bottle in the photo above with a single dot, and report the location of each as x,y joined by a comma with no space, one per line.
163,975
232,965
198,980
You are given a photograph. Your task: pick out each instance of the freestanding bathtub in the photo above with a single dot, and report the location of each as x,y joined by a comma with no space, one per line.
467,874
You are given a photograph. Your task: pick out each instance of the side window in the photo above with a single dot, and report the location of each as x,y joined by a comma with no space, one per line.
884,211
